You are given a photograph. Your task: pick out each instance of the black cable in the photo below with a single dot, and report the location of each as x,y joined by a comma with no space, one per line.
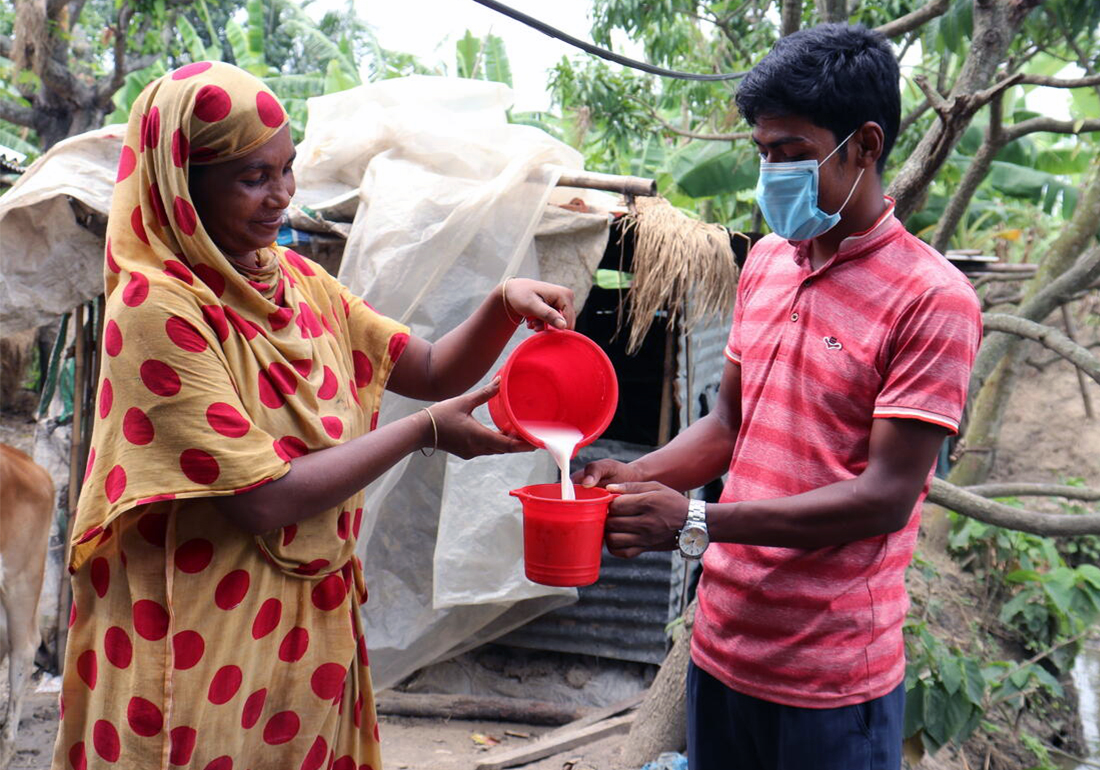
595,50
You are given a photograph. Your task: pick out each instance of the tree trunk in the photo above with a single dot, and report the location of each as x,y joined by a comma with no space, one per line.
66,102
989,405
790,17
975,173
661,723
832,10
996,23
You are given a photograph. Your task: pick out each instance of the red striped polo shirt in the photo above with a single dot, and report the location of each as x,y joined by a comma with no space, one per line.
886,328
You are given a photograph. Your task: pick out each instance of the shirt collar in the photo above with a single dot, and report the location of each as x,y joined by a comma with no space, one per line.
857,244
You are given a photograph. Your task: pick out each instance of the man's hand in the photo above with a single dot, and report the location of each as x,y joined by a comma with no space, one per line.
603,472
646,516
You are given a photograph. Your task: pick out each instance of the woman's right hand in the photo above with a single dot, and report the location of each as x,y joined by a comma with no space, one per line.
461,435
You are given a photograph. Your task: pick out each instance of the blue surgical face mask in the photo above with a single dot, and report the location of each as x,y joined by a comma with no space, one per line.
787,195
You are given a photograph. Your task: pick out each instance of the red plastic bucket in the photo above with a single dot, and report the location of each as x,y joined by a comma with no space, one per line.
556,377
562,539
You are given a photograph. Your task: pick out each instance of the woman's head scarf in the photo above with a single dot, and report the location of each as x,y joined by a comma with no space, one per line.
212,379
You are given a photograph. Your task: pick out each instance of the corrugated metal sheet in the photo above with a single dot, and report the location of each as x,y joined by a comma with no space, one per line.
707,358
622,616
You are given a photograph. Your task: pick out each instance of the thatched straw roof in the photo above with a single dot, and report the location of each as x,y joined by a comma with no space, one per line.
681,266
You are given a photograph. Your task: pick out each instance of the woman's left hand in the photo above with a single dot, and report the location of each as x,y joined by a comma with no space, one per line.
540,304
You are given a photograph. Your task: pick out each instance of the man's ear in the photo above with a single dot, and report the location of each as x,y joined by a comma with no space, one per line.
869,142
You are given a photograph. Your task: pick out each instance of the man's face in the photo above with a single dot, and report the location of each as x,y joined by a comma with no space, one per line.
791,138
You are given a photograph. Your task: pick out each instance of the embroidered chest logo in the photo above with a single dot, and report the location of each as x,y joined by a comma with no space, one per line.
832,343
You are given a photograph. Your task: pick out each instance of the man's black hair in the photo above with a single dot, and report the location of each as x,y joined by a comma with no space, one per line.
837,76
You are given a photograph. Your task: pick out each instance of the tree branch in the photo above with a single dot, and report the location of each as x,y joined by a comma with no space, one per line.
966,503
941,106
995,347
1043,80
913,116
975,173
1051,126
118,77
692,134
980,98
1047,336
915,19
16,113
1025,489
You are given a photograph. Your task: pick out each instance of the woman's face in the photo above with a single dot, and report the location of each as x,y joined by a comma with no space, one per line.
241,202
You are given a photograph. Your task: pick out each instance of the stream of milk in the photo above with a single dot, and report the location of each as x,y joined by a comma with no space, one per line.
560,440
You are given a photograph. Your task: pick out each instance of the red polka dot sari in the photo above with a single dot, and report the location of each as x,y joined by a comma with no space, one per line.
191,642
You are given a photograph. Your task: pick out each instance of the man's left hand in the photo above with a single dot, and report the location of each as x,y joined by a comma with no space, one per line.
646,516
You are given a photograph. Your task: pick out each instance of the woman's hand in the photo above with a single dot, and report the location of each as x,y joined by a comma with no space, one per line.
458,433
541,304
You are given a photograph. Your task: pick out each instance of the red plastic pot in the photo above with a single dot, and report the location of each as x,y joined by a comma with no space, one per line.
562,539
556,377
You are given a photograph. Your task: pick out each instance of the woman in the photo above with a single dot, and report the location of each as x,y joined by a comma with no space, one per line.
215,620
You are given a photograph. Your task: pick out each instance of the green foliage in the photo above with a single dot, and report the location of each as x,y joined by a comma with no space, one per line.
1052,606
1046,606
945,690
134,84
482,59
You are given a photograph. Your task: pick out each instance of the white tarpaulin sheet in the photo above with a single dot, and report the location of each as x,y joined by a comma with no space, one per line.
451,198
49,262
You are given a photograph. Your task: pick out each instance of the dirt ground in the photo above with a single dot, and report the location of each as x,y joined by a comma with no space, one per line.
407,743
1045,438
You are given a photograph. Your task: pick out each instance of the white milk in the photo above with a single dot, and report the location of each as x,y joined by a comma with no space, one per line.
560,440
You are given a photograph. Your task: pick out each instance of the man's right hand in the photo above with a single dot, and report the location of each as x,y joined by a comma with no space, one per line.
604,472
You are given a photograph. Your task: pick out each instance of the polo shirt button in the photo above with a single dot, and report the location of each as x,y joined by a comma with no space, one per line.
808,281
794,316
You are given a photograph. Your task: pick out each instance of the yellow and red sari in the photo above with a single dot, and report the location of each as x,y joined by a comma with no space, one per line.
193,643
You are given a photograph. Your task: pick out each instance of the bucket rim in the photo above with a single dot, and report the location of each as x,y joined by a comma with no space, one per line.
537,339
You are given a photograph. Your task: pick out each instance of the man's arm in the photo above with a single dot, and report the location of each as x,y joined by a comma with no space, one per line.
648,516
695,457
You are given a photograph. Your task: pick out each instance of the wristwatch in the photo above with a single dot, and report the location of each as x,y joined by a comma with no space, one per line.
693,538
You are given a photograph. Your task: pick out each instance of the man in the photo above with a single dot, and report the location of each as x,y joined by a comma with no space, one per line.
848,360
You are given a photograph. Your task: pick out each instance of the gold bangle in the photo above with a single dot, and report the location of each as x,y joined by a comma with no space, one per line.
435,434
504,299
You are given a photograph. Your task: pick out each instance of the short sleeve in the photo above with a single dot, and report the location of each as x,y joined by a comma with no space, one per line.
931,353
381,338
744,283
733,344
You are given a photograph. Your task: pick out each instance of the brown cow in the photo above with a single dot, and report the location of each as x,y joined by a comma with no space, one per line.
26,507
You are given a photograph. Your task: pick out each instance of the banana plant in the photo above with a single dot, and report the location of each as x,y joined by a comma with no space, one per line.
483,59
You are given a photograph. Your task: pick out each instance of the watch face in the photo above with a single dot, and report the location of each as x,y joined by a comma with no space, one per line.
693,541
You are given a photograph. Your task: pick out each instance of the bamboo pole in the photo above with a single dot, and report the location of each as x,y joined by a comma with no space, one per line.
590,180
664,430
65,593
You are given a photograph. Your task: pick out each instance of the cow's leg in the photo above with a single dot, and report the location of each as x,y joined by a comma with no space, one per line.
20,607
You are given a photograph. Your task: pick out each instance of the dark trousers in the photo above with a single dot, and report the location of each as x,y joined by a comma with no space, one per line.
731,731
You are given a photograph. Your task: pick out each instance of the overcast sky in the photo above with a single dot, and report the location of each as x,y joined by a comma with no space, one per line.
430,28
